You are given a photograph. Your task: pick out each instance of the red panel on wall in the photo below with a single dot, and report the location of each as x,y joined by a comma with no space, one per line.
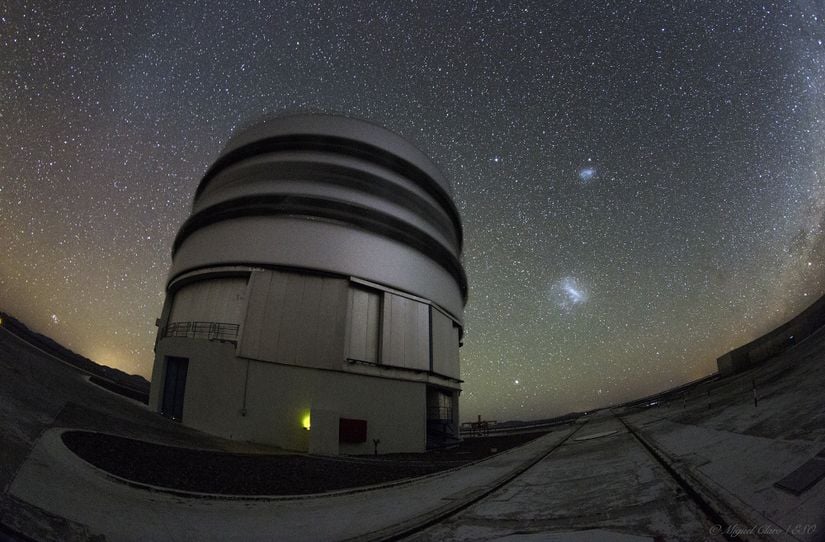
352,431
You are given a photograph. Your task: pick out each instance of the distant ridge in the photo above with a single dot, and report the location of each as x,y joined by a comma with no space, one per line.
133,386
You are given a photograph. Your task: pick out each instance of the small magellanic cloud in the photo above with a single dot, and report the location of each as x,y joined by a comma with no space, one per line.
587,174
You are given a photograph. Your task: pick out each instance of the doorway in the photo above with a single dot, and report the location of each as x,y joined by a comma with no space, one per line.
441,426
174,387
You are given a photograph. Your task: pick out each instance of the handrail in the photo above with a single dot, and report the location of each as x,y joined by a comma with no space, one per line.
213,331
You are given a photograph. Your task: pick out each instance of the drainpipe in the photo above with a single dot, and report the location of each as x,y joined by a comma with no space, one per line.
245,387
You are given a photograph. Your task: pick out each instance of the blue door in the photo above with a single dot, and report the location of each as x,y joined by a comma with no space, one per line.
174,387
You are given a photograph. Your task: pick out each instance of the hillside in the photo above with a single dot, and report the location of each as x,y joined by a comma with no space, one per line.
135,383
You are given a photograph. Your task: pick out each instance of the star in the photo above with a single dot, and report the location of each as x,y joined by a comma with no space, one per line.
108,128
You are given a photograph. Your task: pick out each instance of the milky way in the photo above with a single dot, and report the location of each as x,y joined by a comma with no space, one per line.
665,158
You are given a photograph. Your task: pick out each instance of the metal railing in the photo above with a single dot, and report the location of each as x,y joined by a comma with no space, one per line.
213,331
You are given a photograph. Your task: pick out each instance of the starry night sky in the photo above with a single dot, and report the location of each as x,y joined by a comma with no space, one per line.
641,183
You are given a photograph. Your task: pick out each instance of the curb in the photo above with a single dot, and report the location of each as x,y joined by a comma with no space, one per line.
727,512
427,519
264,498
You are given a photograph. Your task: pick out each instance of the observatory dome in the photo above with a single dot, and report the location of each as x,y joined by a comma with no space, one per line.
316,295
331,194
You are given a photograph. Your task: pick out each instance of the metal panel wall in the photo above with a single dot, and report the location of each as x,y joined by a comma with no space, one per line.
211,300
445,345
406,333
320,245
255,311
365,324
296,319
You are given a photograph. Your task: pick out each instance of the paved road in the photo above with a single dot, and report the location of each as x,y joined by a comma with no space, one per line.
608,484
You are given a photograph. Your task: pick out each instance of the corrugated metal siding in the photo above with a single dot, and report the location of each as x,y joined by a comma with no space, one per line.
255,312
296,319
406,333
445,345
211,300
364,322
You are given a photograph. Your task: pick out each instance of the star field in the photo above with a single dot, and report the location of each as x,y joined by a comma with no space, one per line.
641,183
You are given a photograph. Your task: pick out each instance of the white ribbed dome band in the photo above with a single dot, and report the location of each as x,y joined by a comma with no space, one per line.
340,146
319,208
310,170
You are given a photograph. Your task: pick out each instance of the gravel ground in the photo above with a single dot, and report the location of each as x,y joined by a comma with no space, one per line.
256,474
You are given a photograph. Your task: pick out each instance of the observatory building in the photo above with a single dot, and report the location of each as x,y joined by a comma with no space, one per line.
316,294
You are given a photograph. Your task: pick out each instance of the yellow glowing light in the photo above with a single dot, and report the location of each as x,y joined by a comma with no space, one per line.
305,421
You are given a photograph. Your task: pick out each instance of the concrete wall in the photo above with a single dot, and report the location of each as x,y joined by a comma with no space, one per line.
775,341
291,361
204,395
279,397
733,362
244,399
